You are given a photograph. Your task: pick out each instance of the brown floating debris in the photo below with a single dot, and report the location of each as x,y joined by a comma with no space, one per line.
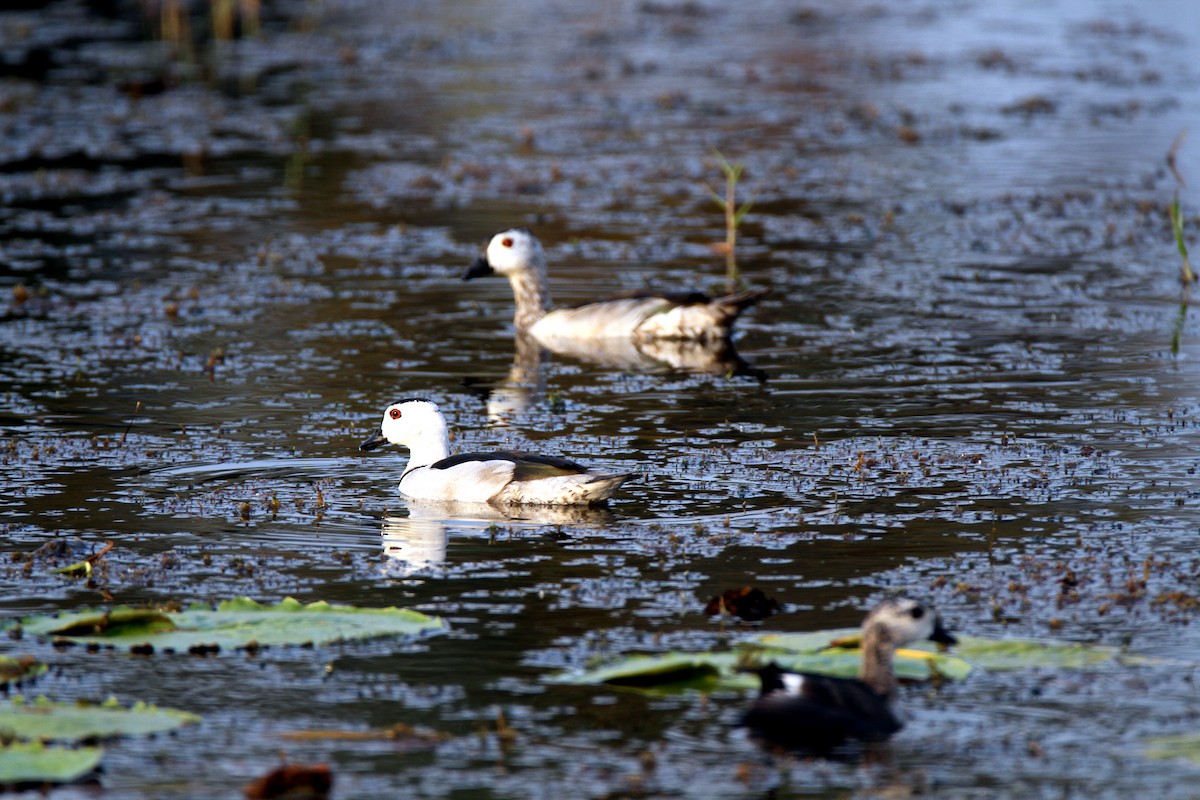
748,603
292,781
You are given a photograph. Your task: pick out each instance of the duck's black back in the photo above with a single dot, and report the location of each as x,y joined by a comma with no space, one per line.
823,715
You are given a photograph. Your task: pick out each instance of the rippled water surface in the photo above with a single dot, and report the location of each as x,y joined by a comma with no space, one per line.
974,379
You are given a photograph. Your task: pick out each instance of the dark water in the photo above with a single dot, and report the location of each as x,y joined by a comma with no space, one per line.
229,266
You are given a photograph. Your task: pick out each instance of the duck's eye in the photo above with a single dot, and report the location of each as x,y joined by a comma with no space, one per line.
917,612
507,241
394,413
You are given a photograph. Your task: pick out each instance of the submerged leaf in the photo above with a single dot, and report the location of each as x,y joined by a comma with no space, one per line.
15,670
46,720
239,623
137,622
1185,746
33,762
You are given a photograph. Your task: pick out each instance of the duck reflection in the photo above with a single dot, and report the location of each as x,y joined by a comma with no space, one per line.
417,543
525,385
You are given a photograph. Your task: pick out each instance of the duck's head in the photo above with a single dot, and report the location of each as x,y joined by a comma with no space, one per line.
907,621
509,252
405,422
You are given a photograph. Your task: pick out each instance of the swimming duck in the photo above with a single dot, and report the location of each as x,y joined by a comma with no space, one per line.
517,255
502,478
819,712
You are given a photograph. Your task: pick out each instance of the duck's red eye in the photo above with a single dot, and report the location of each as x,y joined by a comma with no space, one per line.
394,413
507,241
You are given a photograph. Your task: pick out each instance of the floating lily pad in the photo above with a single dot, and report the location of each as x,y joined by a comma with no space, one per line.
33,762
46,720
835,653
22,668
1003,654
234,624
669,671
1186,746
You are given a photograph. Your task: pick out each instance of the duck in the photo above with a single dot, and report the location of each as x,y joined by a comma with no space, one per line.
801,710
500,478
643,315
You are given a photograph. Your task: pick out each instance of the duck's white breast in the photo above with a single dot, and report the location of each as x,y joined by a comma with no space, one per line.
597,320
468,482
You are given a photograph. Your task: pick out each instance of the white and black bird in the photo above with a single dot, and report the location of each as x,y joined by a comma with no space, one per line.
517,255
818,712
500,478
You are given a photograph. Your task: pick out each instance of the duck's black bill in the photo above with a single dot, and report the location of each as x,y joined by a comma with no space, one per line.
940,634
480,268
374,442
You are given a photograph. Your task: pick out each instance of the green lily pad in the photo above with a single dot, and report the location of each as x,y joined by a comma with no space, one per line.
33,762
1186,746
234,624
22,668
1005,654
46,720
812,652
666,672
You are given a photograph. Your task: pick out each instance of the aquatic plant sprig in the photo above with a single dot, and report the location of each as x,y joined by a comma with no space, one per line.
734,214
1187,274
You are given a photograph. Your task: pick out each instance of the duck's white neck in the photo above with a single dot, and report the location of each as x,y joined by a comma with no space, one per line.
430,446
879,650
531,292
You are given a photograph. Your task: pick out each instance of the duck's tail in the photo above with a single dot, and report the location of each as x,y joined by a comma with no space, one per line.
732,305
602,486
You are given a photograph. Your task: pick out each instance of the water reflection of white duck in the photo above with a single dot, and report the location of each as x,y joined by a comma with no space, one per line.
418,542
525,384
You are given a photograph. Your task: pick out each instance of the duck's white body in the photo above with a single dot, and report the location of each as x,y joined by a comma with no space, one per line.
501,478
517,255
820,712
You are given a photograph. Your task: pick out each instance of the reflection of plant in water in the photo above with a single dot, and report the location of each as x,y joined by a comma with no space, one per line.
734,214
1187,275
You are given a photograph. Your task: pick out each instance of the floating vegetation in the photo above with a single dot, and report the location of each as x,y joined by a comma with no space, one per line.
734,214
836,653
34,762
239,624
45,720
15,670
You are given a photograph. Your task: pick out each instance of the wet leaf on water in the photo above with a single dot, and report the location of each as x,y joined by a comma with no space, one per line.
20,668
835,653
1002,654
81,569
399,731
46,720
1185,746
666,672
33,762
134,622
235,624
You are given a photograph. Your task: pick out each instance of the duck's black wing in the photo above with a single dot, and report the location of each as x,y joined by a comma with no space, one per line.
821,713
527,466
